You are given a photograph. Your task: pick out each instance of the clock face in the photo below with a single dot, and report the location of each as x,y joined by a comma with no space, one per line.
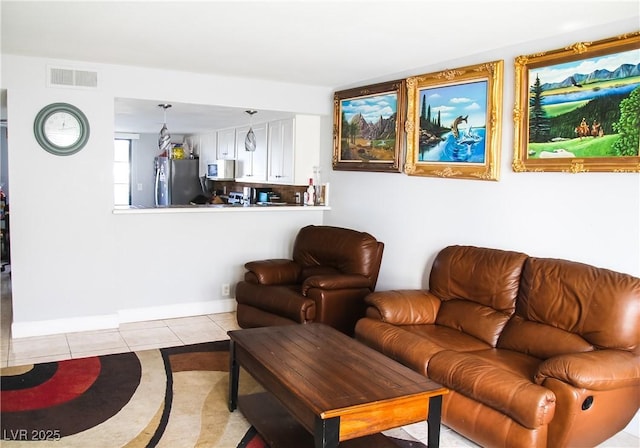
61,129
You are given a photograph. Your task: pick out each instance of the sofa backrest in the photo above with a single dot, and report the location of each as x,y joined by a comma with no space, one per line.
567,307
478,288
330,250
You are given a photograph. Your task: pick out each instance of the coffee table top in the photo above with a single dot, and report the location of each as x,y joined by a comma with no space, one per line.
330,372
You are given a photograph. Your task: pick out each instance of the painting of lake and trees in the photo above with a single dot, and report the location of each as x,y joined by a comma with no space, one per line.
453,123
586,108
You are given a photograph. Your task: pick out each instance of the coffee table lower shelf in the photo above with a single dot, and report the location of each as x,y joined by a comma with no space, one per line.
280,430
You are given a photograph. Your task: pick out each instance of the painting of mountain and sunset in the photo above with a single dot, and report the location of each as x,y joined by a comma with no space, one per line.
368,122
368,130
582,107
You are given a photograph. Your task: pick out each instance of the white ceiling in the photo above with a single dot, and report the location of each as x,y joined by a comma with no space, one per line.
329,43
144,116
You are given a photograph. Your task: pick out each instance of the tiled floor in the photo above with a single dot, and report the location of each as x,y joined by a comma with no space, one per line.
163,333
129,337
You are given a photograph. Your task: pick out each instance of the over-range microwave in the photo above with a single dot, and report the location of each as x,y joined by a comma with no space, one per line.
222,169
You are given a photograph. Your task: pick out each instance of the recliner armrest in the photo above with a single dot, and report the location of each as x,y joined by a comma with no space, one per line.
597,370
340,281
405,306
273,272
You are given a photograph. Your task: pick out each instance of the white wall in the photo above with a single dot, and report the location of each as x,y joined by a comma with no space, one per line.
592,218
76,265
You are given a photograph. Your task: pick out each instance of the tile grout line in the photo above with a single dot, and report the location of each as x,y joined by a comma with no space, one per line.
176,335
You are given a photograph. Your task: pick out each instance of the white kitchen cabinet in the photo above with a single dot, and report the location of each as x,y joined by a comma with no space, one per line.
294,149
207,150
226,144
208,146
252,166
280,150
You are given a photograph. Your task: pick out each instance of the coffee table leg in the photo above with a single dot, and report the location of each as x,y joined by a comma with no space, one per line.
234,372
327,433
433,420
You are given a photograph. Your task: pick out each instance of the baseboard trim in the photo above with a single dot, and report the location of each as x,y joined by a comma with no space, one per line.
67,325
176,311
113,321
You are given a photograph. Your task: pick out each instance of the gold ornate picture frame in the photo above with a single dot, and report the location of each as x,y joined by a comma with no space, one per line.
368,127
454,120
577,108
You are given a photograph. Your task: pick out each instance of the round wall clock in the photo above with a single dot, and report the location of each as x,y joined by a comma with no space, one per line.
61,129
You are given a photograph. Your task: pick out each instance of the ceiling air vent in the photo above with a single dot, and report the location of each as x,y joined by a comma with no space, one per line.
65,77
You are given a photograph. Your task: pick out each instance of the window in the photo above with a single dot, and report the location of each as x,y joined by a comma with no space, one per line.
122,172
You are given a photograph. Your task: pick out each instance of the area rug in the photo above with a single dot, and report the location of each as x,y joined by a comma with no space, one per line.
172,397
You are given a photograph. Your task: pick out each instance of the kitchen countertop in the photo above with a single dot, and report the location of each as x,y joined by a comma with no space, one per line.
218,208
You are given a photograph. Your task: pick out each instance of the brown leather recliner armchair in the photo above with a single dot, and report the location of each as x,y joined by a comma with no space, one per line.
331,271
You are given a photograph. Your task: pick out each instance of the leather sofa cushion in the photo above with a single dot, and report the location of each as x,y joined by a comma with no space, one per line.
413,345
403,306
346,250
597,306
499,379
478,288
540,340
312,271
472,318
489,277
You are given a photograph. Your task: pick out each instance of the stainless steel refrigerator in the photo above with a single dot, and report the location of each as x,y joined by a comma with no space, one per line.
177,181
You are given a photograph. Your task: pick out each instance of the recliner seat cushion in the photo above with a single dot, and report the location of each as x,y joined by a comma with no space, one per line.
414,345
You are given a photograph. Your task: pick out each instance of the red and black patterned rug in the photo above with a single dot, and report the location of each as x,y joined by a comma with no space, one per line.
173,397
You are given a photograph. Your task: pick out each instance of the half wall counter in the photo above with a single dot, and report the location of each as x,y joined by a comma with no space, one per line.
219,208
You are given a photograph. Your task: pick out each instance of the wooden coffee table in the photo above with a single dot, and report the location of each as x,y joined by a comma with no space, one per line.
333,386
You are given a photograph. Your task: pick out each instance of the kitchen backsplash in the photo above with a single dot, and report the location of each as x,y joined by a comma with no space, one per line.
287,193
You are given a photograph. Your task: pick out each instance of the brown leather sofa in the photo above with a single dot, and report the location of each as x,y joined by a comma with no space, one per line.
331,271
536,352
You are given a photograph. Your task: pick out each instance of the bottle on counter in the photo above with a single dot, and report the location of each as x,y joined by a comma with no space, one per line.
310,195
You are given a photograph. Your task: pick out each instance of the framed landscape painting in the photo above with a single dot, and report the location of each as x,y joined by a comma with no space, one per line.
368,128
578,108
454,122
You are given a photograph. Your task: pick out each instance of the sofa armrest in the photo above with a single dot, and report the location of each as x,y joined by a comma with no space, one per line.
272,272
405,306
339,281
597,370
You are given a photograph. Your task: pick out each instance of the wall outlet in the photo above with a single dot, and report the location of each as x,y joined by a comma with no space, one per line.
225,290
139,187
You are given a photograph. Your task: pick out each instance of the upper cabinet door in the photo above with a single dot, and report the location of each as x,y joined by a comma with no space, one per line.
251,166
226,144
281,151
208,147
